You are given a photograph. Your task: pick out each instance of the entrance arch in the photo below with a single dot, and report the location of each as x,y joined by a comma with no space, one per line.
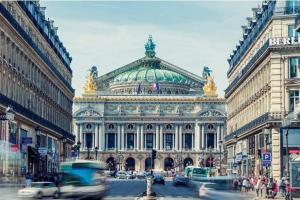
148,163
168,164
188,162
130,164
111,163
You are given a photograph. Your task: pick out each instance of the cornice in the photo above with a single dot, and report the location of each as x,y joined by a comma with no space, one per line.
148,99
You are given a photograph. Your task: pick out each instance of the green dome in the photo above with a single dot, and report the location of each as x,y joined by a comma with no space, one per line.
147,74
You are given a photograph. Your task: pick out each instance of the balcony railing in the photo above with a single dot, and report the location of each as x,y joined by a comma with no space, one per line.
297,23
267,117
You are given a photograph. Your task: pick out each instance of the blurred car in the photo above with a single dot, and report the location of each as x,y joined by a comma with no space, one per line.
39,190
158,178
121,175
180,180
141,175
73,186
206,189
130,175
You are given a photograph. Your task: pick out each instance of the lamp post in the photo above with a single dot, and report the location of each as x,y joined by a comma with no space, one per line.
235,137
64,140
220,148
96,152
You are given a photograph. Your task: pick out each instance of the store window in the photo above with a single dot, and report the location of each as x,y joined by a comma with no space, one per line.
293,99
293,67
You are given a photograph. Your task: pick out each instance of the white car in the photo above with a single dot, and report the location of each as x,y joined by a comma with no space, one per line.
39,190
207,189
122,175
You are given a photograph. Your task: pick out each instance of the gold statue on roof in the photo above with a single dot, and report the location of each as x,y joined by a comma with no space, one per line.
210,88
90,87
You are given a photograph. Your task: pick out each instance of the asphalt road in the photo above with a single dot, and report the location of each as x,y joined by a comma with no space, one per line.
131,189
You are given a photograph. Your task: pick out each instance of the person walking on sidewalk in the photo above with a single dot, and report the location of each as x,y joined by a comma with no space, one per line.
258,187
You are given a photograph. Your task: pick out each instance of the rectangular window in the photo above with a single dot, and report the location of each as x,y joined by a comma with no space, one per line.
89,140
188,141
293,99
292,31
292,6
293,67
130,141
111,141
149,141
210,140
169,141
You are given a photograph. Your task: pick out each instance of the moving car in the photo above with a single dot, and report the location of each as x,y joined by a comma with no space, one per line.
180,180
206,189
121,175
39,190
158,178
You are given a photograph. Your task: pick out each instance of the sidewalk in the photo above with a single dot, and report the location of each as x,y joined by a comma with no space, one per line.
253,193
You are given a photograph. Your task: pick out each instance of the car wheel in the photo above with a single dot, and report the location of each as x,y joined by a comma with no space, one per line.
56,195
39,195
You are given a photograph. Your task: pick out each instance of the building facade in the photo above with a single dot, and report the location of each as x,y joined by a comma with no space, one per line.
263,91
150,104
35,86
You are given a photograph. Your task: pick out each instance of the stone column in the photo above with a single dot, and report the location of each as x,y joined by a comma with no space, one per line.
102,136
202,137
142,137
78,133
218,136
197,137
138,142
180,137
157,137
276,164
97,135
119,137
161,147
81,135
176,137
122,136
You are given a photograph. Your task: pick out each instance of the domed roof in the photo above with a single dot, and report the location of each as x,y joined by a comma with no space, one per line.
147,74
149,70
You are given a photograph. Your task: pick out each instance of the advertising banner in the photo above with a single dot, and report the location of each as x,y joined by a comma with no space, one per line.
295,174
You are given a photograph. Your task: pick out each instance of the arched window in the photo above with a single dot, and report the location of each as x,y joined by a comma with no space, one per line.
111,126
188,127
149,126
130,126
169,126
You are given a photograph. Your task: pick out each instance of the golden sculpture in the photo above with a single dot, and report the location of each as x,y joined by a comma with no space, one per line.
210,88
90,87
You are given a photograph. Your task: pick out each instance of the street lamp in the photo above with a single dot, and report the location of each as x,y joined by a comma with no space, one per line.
220,148
201,158
235,137
96,152
64,140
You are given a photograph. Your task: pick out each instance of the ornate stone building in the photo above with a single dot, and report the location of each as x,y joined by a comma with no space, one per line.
150,104
35,82
263,89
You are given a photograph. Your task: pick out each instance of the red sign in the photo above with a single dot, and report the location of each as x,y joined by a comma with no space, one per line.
294,151
14,148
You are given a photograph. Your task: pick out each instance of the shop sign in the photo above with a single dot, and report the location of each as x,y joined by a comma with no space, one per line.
43,151
14,148
294,151
26,140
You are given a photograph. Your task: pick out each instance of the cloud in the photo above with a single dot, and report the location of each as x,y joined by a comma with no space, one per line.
109,46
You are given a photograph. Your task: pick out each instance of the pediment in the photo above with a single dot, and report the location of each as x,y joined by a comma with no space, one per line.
87,112
212,113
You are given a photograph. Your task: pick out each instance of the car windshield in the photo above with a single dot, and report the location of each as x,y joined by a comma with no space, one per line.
37,185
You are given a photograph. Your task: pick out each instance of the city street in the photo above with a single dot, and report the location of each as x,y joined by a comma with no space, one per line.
132,189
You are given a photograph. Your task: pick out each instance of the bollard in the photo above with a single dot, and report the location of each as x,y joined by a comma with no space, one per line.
149,186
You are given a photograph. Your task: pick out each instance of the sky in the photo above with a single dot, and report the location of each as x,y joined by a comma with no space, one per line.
188,34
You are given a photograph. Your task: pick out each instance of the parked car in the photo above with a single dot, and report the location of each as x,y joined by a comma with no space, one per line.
141,175
180,180
121,175
39,190
158,178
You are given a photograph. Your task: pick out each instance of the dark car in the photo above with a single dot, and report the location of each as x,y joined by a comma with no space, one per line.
180,180
158,178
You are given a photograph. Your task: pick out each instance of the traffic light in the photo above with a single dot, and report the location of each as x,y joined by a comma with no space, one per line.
153,154
259,153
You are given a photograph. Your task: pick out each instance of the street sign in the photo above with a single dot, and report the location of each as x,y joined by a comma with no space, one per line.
267,156
266,163
43,151
26,140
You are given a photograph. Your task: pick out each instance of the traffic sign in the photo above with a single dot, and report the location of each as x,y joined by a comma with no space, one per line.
267,156
266,163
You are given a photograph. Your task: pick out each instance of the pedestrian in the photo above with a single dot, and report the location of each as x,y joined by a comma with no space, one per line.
235,184
258,187
28,179
282,187
244,185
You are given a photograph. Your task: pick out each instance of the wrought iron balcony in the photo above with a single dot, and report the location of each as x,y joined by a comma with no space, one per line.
297,23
